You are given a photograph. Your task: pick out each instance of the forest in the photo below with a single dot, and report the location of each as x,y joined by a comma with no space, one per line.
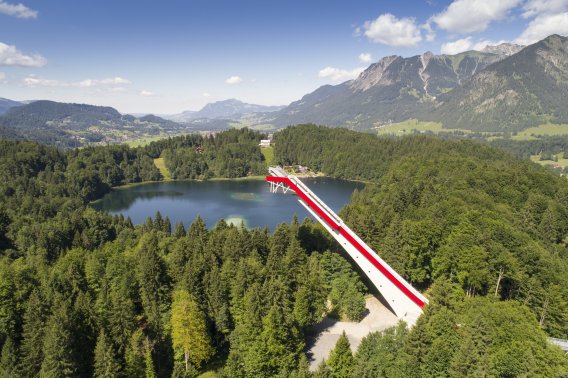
84,294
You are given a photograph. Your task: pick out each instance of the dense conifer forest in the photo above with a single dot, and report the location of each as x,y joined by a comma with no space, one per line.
83,294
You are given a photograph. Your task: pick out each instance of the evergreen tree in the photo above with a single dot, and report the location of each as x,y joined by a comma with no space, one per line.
188,330
33,331
9,359
106,363
340,360
149,370
153,281
167,226
179,230
134,356
57,345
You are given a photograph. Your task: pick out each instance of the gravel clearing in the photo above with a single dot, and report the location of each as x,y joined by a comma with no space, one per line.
325,334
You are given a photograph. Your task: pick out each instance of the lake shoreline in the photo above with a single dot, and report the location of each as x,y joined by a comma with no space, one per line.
247,199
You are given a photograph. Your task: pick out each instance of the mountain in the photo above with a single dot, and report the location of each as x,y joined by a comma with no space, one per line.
166,123
74,125
503,49
227,109
393,89
524,90
6,104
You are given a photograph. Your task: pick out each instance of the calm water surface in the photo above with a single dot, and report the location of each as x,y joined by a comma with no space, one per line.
234,201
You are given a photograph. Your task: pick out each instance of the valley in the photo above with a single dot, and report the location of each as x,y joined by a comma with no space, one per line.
284,190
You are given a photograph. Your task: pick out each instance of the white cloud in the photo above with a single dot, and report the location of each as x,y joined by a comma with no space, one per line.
365,58
468,16
389,30
2,76
146,93
466,44
430,34
36,81
95,83
11,56
233,80
456,47
543,26
337,74
17,10
534,8
206,94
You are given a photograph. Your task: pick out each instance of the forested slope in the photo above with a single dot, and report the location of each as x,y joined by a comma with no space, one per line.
86,294
488,228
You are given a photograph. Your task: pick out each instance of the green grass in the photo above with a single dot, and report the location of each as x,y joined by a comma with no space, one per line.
549,129
268,153
141,142
410,126
164,171
413,125
562,162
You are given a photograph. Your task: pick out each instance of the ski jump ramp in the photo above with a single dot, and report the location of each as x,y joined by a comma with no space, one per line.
405,300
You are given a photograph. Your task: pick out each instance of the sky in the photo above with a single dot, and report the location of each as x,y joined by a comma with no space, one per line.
171,56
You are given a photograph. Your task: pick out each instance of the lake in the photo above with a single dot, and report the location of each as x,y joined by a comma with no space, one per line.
233,200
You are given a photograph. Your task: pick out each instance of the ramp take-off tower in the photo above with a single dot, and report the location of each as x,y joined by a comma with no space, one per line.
405,301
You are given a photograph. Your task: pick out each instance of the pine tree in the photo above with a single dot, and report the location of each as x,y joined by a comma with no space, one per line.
189,332
179,230
57,345
340,360
167,226
303,368
33,331
149,370
9,359
106,363
152,280
134,356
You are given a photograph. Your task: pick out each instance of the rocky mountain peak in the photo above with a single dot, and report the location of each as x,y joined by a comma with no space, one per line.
374,74
504,49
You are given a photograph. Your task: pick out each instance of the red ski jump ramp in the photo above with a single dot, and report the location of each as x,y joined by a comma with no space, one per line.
405,300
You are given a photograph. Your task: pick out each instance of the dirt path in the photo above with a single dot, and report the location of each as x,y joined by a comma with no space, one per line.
326,334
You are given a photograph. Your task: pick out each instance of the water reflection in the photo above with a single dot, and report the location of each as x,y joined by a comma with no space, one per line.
235,201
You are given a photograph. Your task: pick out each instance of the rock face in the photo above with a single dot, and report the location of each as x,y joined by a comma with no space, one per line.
393,89
523,90
502,88
503,49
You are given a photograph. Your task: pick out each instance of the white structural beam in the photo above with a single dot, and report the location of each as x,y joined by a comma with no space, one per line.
405,300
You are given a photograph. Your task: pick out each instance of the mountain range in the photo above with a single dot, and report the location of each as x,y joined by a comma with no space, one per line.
227,109
74,125
501,88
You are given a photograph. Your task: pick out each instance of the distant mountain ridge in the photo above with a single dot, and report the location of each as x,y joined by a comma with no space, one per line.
506,87
395,88
525,89
74,125
6,104
224,109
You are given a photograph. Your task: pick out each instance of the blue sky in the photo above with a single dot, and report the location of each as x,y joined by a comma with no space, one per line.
170,56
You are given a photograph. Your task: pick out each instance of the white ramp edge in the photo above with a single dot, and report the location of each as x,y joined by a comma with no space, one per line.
405,300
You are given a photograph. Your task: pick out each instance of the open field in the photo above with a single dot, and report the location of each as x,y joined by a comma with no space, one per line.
412,126
561,161
164,171
146,140
549,129
268,153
